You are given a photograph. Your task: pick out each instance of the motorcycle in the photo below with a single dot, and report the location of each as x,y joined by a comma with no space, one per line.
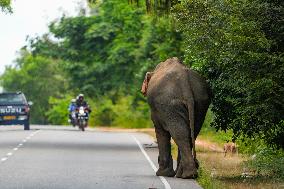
73,118
82,117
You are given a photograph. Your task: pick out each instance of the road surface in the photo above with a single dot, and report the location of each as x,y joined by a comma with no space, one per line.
48,157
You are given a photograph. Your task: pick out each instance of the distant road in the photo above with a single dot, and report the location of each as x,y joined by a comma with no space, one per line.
49,157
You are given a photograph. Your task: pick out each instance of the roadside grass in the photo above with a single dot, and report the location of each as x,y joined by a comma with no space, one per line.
230,172
219,172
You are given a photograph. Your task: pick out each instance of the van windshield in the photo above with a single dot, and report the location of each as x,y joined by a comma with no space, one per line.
10,99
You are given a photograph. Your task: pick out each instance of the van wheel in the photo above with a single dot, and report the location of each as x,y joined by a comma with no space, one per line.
27,125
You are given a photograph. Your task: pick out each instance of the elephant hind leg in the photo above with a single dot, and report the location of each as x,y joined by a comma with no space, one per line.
165,159
187,165
179,166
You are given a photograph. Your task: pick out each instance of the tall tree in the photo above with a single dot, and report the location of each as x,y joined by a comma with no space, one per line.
118,39
238,46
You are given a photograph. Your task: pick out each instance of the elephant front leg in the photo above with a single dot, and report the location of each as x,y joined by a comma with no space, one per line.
165,159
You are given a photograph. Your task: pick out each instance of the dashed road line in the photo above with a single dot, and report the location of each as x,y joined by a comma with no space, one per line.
4,159
9,154
164,181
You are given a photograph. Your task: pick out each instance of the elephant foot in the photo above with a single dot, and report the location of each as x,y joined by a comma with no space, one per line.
192,174
186,173
169,172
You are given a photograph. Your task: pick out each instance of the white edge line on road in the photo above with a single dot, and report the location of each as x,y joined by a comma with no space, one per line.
164,181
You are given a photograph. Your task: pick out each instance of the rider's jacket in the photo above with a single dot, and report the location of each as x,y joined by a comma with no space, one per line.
81,103
72,107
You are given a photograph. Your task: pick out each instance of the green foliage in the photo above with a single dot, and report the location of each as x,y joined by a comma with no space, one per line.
39,78
103,113
238,46
159,7
104,56
130,115
125,111
205,179
58,112
118,39
97,49
207,131
267,162
5,5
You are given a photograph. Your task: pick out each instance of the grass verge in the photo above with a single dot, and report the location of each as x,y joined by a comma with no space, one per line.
219,172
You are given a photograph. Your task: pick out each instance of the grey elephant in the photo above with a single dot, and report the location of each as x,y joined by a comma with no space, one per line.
179,99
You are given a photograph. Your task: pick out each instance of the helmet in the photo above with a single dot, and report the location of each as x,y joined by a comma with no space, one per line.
73,100
80,97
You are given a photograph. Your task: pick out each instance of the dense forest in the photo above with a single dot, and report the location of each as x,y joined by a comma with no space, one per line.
237,45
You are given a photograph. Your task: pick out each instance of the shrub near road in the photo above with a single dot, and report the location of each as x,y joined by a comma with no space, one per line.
238,46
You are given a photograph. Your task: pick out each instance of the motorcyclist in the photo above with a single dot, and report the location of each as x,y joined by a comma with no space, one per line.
71,108
81,102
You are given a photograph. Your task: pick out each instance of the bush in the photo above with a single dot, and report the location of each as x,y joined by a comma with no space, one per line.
267,162
58,113
130,115
124,111
208,131
102,111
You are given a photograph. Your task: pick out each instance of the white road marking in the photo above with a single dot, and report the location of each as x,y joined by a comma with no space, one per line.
164,181
4,159
9,154
17,148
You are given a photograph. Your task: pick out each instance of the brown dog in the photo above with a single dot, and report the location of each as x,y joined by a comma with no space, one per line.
230,147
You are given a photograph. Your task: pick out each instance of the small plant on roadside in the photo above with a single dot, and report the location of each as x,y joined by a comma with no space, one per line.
206,178
267,162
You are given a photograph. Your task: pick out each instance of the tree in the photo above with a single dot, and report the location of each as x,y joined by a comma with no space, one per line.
104,56
118,39
39,78
5,5
159,7
238,46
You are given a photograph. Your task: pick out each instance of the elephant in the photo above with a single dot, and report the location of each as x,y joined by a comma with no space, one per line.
179,99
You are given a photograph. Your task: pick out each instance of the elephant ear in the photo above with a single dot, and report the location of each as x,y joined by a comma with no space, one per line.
145,83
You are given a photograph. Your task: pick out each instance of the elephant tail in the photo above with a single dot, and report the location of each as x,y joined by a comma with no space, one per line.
191,125
191,108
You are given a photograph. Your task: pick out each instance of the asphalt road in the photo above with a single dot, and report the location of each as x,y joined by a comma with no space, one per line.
48,157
